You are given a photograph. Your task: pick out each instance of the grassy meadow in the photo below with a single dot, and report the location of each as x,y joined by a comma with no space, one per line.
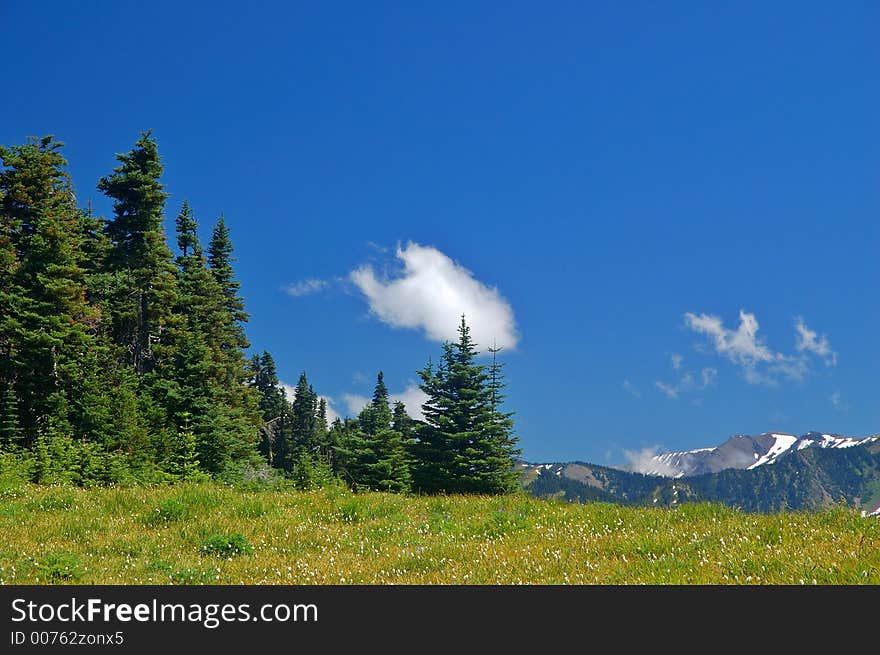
212,534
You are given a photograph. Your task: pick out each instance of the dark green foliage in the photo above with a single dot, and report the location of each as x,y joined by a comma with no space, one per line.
220,260
204,377
227,545
142,289
303,422
466,445
372,452
50,354
168,511
10,431
60,567
116,362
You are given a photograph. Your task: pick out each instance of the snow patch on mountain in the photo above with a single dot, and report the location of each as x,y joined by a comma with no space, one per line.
783,442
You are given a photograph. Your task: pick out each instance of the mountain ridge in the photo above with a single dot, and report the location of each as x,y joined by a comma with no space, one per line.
740,451
811,472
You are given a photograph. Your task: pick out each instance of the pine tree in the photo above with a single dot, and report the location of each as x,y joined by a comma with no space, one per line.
304,408
320,436
143,290
373,452
10,431
48,351
199,378
263,378
466,444
185,464
220,260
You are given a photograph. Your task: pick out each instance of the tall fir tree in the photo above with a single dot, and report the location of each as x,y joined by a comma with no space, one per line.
195,379
143,290
374,454
220,260
303,419
49,348
466,445
263,378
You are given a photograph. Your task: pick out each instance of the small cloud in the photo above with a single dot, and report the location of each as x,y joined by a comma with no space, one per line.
742,346
631,389
431,293
676,360
810,341
838,402
670,391
708,377
306,287
687,383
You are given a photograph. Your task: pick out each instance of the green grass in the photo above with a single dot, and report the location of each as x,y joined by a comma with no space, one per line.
211,534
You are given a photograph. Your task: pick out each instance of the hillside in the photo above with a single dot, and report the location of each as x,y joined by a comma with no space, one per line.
212,534
802,479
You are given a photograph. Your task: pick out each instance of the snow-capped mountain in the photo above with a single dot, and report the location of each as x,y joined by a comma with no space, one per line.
810,472
739,452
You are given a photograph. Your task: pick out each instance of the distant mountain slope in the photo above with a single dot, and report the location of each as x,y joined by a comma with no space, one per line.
740,452
800,478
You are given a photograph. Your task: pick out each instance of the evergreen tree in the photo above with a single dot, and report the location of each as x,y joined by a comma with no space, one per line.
373,452
304,408
143,290
196,379
220,260
466,444
185,463
405,425
10,431
49,350
263,378
320,436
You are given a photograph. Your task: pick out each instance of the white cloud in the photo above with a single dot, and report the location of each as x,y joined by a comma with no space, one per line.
687,382
676,360
413,398
670,391
306,287
631,389
809,341
743,347
355,403
642,461
290,392
431,294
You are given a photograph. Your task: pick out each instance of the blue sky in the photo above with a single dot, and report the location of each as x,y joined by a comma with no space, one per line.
666,212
